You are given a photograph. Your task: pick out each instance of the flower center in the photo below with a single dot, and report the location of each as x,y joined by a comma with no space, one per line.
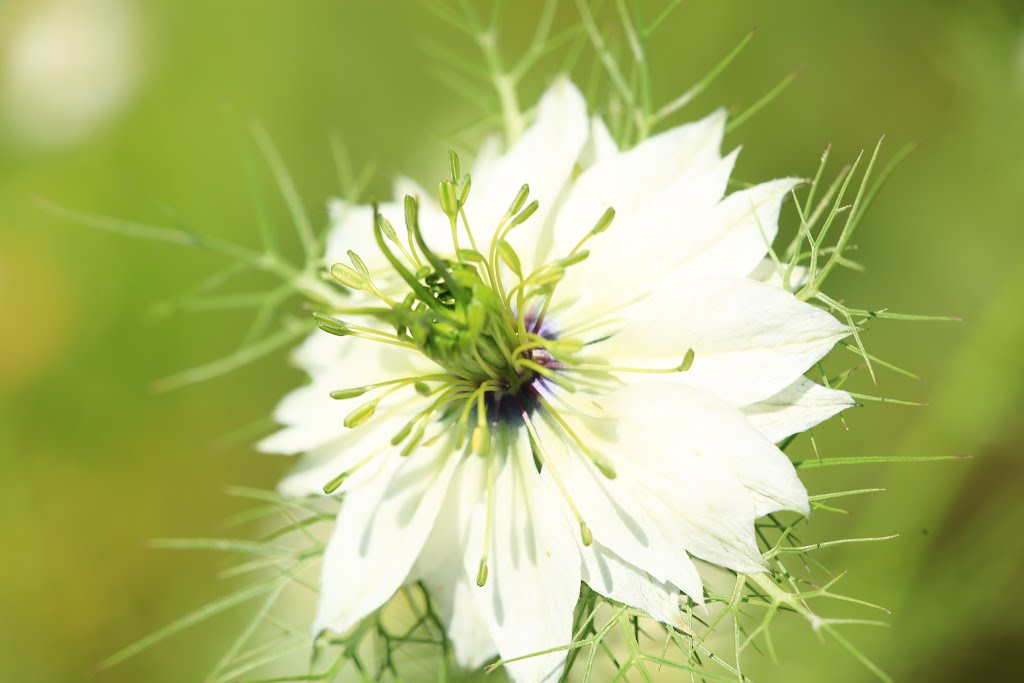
497,353
480,318
487,334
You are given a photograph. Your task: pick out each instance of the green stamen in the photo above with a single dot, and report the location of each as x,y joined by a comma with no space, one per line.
685,365
585,534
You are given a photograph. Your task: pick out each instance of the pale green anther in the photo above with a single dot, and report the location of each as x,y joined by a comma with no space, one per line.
333,484
574,258
354,392
545,289
566,346
414,441
432,440
687,361
467,182
525,213
448,196
604,467
423,272
348,277
553,275
422,388
358,264
331,325
604,221
456,167
480,440
387,228
520,199
402,433
360,415
481,573
509,256
585,533
410,213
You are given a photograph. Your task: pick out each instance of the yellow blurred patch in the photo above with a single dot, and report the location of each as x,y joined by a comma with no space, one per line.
36,310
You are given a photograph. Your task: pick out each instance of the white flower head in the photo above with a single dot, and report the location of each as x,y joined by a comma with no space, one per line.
581,381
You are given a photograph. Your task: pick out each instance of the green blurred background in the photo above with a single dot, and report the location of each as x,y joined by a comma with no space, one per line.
149,111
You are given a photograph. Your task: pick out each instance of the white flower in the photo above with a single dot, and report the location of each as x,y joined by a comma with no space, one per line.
608,422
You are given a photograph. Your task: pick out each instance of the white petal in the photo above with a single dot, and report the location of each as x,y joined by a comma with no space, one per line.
750,340
685,159
489,152
543,157
737,235
771,273
681,233
465,624
352,228
345,449
623,514
310,419
381,527
629,179
719,431
614,578
310,416
600,145
440,567
533,569
673,492
318,353
797,408
644,243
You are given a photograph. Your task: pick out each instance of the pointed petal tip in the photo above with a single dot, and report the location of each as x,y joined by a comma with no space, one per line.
715,124
562,91
799,503
562,82
719,116
337,208
321,625
733,154
783,186
698,599
276,444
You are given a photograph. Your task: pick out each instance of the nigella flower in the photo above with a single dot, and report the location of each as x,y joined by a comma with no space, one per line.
582,381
